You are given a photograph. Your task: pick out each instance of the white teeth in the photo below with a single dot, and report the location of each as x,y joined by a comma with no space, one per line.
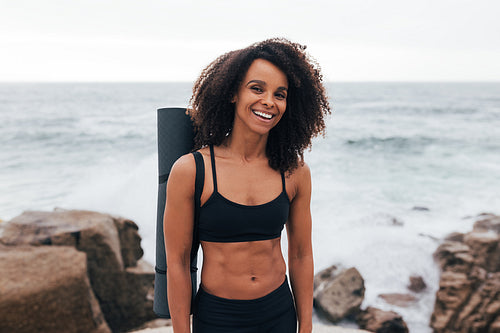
263,115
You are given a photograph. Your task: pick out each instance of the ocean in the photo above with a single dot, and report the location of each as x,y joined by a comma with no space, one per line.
401,166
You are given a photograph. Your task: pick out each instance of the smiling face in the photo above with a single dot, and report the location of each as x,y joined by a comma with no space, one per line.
260,101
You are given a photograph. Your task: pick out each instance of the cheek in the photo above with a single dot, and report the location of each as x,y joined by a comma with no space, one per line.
282,106
282,113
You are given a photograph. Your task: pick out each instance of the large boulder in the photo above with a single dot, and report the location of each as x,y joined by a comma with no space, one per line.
338,292
379,321
93,233
46,289
122,284
468,299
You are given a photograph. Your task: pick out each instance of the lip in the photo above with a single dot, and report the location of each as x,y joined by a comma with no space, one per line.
263,111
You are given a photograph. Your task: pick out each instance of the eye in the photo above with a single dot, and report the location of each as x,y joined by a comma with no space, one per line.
256,89
280,95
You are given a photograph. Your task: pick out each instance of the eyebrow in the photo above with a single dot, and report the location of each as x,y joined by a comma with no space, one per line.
264,83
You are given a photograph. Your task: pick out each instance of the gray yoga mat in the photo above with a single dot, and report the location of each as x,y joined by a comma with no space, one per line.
175,138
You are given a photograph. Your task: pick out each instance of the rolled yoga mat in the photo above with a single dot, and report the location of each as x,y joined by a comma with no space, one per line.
175,138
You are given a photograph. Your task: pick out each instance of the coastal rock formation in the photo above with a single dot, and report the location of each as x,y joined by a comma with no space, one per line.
46,289
338,292
122,283
468,299
376,320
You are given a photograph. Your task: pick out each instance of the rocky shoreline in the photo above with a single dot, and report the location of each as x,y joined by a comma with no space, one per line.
468,299
81,271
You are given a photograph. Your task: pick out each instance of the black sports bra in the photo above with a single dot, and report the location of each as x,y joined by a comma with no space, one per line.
222,220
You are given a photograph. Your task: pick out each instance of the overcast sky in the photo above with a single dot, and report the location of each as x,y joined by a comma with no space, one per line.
163,40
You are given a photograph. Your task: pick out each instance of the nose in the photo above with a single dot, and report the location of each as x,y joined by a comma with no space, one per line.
267,100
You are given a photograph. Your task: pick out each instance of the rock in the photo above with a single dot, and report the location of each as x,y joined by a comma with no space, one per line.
122,284
91,232
46,289
488,222
376,320
455,237
323,277
495,326
484,248
130,241
417,284
338,292
128,295
455,256
454,289
402,300
468,299
483,307
473,307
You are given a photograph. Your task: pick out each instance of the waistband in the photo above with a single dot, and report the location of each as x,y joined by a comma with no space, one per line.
226,312
264,298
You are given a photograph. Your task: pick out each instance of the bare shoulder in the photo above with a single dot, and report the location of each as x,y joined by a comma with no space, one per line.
301,174
183,171
300,179
185,163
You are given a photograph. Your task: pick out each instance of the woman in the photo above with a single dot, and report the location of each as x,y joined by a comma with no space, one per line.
255,110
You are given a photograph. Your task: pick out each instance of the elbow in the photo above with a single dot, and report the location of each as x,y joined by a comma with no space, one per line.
302,257
302,251
178,262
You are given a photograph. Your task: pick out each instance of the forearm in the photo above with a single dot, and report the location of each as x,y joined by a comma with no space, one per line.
179,297
301,277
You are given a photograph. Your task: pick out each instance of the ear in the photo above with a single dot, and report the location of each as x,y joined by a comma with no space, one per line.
234,99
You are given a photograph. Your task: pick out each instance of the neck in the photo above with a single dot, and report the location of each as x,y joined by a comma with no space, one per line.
248,146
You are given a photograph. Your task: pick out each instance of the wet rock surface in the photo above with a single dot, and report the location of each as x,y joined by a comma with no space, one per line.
376,320
398,299
468,299
338,292
417,284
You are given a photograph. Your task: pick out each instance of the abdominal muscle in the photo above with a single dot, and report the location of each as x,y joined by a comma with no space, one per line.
242,270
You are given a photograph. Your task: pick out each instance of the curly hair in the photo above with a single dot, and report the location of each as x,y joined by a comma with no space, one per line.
212,110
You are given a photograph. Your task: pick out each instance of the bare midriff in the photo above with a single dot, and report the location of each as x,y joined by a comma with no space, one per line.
242,270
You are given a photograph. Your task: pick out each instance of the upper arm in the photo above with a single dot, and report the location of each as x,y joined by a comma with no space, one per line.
299,225
178,218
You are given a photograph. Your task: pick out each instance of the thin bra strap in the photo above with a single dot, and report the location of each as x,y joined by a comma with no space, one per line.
214,175
283,181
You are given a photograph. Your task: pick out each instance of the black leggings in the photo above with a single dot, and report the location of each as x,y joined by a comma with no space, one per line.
273,313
